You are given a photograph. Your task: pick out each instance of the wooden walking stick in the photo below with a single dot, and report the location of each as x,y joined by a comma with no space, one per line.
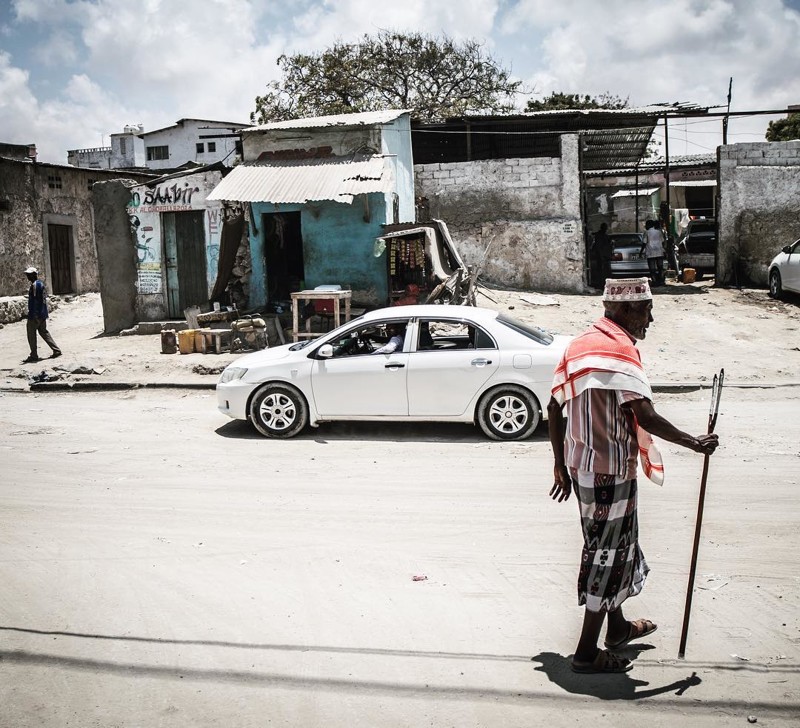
716,390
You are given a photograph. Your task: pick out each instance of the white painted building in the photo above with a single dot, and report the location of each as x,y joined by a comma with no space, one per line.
200,141
195,141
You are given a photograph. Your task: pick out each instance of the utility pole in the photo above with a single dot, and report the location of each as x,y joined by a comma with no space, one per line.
666,155
727,114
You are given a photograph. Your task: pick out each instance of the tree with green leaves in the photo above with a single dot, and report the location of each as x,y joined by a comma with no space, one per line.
561,101
434,78
784,130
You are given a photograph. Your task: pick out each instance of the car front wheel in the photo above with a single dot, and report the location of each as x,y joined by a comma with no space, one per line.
279,410
775,285
509,413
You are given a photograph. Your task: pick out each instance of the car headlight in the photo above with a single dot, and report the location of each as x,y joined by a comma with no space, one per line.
230,374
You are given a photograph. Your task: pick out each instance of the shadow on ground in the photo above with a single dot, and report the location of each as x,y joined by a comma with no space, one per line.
378,432
618,686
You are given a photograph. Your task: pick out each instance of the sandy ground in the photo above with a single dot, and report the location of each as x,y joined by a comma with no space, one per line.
697,330
164,566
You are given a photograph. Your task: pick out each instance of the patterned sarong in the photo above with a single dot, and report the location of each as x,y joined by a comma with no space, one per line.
612,564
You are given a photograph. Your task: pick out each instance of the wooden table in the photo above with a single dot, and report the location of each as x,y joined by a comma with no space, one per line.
213,339
336,296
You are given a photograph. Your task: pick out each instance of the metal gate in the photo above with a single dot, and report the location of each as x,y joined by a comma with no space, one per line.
185,254
58,241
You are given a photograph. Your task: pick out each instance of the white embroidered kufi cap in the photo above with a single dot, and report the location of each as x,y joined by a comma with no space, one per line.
627,289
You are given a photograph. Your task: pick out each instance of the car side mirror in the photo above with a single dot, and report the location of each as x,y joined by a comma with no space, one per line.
325,351
787,249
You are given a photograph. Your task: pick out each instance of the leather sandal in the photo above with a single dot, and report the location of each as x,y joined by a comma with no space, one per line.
638,628
604,662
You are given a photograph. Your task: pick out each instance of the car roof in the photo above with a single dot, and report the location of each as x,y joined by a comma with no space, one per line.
431,309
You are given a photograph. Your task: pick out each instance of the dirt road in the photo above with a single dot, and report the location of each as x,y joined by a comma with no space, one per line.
163,566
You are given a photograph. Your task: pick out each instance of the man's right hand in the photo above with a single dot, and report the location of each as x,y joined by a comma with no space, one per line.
562,485
706,444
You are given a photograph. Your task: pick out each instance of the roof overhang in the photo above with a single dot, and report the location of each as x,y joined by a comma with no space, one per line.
694,183
299,181
642,192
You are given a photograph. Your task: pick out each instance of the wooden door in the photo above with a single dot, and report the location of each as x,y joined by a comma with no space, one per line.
60,259
185,255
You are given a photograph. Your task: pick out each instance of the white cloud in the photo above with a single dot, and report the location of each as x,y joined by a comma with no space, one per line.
80,117
683,50
155,61
325,22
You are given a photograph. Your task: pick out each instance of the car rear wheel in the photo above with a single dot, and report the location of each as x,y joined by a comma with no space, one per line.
509,413
775,285
279,410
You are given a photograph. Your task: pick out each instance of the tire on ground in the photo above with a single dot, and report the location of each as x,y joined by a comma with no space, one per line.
508,412
279,410
775,284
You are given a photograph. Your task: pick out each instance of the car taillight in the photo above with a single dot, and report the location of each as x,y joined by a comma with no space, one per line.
616,256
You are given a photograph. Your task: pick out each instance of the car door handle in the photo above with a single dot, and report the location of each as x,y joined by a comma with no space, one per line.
394,365
480,362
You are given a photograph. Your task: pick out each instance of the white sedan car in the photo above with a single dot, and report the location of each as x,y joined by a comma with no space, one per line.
784,271
449,364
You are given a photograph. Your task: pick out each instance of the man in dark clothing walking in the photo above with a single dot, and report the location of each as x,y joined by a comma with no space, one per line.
603,250
37,316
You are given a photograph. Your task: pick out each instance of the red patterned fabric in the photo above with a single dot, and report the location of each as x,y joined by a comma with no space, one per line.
605,357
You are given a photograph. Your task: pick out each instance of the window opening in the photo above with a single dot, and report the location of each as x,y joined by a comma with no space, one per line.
157,153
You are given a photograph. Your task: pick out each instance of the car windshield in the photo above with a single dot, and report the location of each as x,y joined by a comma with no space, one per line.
303,344
540,336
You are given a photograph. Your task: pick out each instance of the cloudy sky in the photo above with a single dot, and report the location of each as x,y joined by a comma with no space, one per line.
74,71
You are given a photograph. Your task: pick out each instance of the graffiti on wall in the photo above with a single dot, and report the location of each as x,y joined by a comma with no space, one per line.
148,258
165,198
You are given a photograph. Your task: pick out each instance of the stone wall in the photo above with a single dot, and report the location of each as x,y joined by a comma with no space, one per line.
519,219
759,208
15,308
116,254
34,196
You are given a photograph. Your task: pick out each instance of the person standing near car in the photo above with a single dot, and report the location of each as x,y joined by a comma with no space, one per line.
37,316
601,387
654,251
603,251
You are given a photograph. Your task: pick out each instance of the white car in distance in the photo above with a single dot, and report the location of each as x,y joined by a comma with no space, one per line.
453,364
784,271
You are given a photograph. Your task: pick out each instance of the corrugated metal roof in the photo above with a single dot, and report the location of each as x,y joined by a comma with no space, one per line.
641,192
367,118
306,180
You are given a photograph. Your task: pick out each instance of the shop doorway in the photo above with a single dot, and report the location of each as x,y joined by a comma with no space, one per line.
59,241
185,254
283,253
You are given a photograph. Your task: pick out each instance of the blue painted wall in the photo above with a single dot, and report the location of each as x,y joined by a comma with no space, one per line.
337,247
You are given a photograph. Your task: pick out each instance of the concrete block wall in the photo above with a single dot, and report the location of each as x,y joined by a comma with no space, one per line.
759,208
519,219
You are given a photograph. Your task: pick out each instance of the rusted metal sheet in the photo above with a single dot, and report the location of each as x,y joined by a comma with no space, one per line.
305,180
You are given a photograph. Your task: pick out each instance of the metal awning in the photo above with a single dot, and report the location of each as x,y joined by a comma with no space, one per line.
694,183
642,192
305,180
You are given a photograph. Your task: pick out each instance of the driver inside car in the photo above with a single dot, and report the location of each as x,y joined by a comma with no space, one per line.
396,332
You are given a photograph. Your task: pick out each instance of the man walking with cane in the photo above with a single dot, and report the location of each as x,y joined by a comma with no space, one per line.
602,389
